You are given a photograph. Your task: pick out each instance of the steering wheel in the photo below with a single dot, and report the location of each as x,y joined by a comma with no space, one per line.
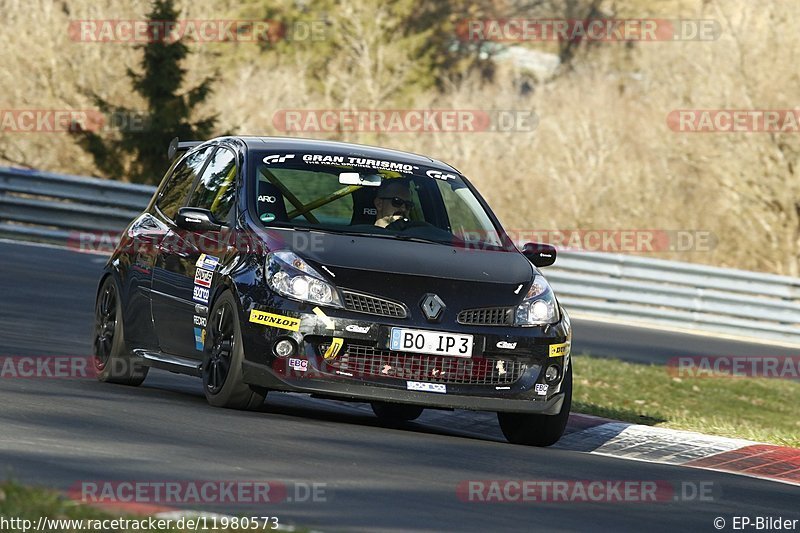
404,224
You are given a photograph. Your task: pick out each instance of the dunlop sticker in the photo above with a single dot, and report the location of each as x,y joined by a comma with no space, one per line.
333,349
558,350
275,321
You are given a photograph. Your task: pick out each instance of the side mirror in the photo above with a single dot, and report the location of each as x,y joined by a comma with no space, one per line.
196,219
541,255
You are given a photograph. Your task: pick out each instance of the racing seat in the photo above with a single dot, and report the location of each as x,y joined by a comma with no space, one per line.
270,200
364,211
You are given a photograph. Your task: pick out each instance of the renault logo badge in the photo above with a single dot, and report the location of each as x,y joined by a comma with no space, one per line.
432,306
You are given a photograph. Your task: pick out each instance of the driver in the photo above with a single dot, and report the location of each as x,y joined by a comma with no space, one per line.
392,202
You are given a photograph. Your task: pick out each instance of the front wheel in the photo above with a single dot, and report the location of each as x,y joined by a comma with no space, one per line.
538,430
113,362
222,365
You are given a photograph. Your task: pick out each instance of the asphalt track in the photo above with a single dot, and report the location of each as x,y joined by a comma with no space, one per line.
378,477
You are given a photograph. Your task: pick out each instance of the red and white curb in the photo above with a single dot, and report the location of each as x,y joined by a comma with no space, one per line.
623,440
684,448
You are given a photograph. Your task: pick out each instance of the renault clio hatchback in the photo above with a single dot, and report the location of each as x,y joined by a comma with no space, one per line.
345,271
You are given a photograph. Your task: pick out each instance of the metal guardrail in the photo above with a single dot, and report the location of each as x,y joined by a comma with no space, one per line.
47,207
682,295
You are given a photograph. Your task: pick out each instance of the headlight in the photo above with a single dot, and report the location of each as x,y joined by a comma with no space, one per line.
290,276
539,306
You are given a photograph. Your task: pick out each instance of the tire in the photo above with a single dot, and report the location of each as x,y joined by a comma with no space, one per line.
538,430
396,412
224,355
113,362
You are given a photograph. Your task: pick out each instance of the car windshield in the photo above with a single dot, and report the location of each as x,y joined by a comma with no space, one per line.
341,193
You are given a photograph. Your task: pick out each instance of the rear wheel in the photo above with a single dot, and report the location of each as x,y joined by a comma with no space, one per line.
222,366
112,360
538,430
396,412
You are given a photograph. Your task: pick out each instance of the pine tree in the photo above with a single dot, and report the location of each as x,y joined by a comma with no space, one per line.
139,154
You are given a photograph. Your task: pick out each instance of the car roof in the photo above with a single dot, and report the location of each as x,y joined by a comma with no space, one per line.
341,148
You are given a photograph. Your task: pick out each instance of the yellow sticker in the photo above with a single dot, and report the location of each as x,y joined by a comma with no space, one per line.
325,318
557,350
275,321
333,349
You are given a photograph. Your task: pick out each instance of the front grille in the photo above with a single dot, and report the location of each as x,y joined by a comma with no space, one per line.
487,316
364,303
360,360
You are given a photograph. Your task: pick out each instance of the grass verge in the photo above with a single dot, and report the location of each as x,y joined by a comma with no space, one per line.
759,409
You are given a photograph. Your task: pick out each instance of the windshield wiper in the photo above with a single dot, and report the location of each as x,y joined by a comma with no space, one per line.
340,231
402,237
382,235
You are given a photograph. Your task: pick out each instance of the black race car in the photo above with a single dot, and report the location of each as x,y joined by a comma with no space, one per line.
341,270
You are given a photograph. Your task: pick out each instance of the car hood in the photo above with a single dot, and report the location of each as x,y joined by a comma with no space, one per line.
412,258
408,271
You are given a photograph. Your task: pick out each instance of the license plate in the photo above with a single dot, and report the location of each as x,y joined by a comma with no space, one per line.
430,342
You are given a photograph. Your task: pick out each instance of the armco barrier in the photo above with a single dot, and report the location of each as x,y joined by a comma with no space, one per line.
46,207
683,295
40,206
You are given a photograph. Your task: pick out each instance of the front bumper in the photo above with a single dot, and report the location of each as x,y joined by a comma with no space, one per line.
495,378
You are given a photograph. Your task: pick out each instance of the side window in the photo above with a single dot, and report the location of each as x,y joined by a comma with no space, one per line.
176,189
216,190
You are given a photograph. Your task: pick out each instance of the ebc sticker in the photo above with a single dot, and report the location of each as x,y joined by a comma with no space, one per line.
541,389
559,350
275,321
200,294
203,277
301,365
